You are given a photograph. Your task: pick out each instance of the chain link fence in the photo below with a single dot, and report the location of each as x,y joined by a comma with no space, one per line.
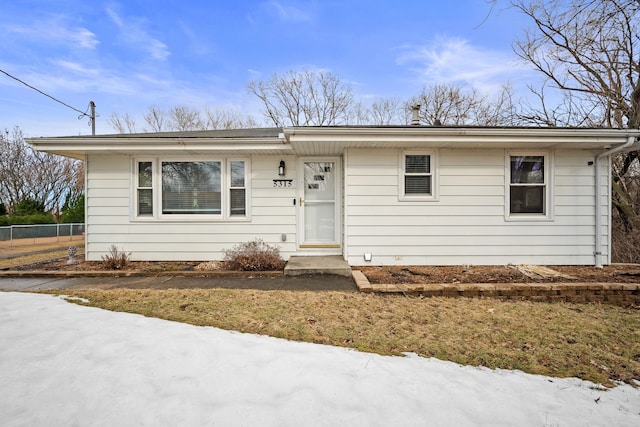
20,235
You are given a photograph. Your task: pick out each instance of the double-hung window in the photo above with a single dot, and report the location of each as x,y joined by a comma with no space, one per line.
144,188
196,189
417,175
528,185
237,188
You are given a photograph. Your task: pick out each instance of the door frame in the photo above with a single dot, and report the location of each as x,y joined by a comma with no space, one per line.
323,248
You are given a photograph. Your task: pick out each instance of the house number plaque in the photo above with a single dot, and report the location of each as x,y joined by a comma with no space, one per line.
282,183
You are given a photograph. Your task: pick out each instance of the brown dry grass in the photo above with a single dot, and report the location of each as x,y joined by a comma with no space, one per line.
600,343
37,253
34,258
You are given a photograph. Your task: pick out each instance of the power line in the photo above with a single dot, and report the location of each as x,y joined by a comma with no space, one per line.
82,113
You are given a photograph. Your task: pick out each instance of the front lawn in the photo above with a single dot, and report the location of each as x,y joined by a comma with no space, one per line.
599,343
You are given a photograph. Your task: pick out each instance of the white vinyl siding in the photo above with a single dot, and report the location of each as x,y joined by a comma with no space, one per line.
467,224
113,220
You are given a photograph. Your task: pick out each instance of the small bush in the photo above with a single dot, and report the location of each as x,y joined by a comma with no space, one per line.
115,260
30,219
253,256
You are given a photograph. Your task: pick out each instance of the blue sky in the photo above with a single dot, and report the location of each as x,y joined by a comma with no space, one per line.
129,55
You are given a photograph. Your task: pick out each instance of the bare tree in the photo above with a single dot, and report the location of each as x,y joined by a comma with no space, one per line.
570,110
451,105
123,124
156,118
42,177
183,118
386,111
220,118
304,98
589,49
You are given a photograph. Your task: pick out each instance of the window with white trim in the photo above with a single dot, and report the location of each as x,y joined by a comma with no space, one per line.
237,188
144,188
207,188
528,184
417,177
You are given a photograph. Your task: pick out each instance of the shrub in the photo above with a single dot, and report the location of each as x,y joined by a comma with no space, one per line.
28,206
73,210
30,219
253,256
115,259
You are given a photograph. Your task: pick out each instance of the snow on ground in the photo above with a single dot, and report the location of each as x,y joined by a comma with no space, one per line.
62,364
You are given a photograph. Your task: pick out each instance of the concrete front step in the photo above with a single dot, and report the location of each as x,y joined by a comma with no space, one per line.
304,265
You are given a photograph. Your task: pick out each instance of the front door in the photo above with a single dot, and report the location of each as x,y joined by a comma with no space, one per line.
319,207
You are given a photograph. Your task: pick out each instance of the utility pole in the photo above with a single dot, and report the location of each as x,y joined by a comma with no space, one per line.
92,117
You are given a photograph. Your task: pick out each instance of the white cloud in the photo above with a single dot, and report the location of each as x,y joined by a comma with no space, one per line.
55,29
288,12
133,33
115,18
75,67
457,61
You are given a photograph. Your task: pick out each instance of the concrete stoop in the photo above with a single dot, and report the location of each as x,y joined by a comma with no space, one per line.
309,265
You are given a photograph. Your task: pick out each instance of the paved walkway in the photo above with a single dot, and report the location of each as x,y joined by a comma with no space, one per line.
327,282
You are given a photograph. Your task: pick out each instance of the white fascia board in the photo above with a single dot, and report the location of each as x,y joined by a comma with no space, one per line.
176,148
132,145
467,137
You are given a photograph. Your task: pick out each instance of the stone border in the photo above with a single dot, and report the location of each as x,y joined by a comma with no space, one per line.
623,294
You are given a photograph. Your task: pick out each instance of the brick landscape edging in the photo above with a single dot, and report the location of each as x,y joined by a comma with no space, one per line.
623,294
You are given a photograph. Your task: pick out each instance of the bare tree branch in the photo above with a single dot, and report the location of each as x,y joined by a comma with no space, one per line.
43,177
306,98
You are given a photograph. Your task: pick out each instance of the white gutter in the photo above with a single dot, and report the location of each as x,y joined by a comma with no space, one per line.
598,208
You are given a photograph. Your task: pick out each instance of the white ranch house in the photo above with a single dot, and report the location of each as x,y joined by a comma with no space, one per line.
395,195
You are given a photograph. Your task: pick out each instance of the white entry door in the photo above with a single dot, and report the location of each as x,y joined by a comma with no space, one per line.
319,207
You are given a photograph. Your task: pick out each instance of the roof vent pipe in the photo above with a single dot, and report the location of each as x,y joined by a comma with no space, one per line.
415,119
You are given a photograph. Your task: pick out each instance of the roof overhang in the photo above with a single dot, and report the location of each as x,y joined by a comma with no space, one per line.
324,141
253,141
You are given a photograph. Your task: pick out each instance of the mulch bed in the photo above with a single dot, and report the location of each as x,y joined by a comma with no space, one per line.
624,273
619,273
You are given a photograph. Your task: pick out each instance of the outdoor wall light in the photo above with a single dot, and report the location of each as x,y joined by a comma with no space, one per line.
368,256
281,168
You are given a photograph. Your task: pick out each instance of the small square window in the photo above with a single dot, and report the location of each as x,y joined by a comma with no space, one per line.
417,179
